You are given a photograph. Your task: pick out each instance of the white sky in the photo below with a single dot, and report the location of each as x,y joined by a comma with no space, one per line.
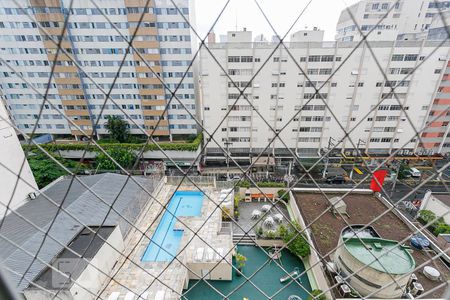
281,13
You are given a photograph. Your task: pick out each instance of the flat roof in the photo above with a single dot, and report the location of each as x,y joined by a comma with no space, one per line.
381,254
362,209
444,198
86,242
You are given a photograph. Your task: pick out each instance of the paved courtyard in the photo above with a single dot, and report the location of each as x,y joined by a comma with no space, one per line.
245,216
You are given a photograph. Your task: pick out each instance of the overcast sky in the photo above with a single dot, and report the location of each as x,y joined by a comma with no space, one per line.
281,13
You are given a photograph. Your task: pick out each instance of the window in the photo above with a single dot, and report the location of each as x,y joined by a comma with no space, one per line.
302,59
360,84
233,59
246,58
375,5
378,84
314,58
411,57
437,71
397,57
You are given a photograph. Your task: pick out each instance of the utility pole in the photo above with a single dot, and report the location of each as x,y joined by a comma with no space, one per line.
395,179
227,145
327,158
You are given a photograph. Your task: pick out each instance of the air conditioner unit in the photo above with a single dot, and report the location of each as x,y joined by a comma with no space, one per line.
412,279
345,290
417,289
32,195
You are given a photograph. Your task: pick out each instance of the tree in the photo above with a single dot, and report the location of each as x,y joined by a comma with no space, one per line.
123,156
427,216
46,170
441,228
117,129
283,195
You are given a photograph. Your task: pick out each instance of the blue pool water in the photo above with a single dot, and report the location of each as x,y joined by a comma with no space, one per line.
166,240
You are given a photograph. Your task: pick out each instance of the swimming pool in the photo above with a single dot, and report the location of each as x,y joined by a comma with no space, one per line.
166,240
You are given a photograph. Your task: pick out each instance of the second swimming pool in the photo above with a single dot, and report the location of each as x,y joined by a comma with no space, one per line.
166,240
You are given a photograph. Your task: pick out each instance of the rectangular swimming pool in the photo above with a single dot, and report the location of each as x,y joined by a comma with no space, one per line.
166,240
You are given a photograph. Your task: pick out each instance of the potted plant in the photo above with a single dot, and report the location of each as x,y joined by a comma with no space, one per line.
240,262
236,215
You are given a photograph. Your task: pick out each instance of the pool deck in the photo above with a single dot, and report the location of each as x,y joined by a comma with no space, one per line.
172,276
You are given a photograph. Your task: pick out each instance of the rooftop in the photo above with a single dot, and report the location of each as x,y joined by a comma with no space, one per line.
84,243
362,209
381,254
444,198
80,206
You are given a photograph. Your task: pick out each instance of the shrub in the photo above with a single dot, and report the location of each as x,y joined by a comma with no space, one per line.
283,195
237,198
259,231
427,216
226,214
261,184
124,157
441,228
131,146
315,295
296,243
270,234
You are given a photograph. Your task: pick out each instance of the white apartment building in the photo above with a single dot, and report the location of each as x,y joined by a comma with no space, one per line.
282,92
163,40
13,163
408,19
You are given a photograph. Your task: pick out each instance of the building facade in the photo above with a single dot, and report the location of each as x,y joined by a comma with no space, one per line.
15,192
86,70
402,19
357,98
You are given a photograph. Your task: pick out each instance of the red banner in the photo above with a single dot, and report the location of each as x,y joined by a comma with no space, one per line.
379,175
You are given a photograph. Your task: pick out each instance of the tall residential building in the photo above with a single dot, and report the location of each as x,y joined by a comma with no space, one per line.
281,92
13,163
163,41
402,19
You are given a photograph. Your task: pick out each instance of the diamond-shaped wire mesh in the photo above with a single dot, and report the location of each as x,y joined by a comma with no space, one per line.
131,273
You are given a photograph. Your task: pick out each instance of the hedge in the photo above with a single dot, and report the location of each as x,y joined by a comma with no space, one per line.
267,184
150,147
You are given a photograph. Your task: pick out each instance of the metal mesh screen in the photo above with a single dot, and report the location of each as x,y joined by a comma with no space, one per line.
138,205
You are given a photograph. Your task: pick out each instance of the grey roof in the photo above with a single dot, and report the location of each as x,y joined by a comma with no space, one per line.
80,204
85,243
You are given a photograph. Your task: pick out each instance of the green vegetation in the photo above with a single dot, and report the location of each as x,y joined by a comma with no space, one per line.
123,157
237,198
240,261
247,184
46,170
117,129
131,146
315,295
438,227
226,214
403,171
283,195
296,243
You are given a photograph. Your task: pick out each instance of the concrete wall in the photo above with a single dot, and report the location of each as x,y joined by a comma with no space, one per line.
104,260
374,277
255,190
316,274
222,271
432,203
269,243
12,157
91,279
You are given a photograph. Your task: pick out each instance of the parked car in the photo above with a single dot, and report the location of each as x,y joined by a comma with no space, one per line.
336,179
414,172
